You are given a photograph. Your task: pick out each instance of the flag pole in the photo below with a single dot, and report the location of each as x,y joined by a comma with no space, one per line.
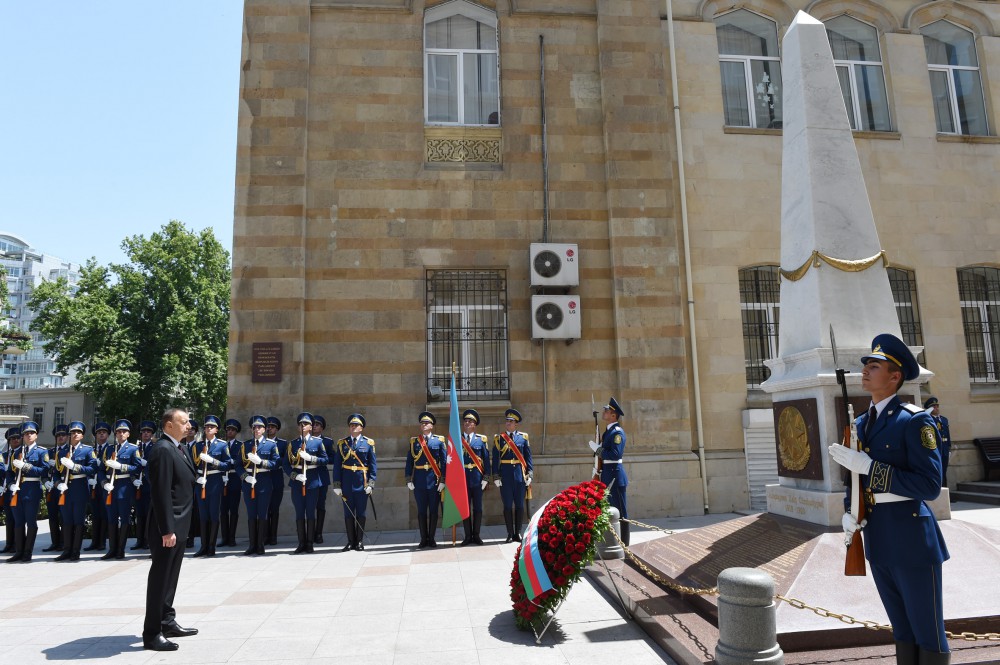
454,527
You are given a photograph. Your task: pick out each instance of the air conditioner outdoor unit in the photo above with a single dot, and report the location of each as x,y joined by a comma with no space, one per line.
554,264
555,317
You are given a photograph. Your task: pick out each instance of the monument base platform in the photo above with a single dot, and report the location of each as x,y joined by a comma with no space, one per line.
807,563
827,508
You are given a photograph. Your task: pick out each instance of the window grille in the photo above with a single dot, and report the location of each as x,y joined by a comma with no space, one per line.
467,325
760,291
979,296
904,294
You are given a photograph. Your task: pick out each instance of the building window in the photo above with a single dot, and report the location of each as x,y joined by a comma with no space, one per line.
904,294
859,67
956,85
461,65
751,70
760,291
467,326
979,296
59,416
38,415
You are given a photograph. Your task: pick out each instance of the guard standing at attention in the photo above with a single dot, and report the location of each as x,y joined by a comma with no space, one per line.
13,436
277,481
75,464
933,407
121,460
476,459
512,471
212,461
192,438
29,468
232,493
354,469
425,465
142,487
98,495
305,455
319,425
60,433
257,456
613,465
899,467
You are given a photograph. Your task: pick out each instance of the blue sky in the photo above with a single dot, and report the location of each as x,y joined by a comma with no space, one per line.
116,117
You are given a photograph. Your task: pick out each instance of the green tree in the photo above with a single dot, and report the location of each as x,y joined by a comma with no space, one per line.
149,334
11,337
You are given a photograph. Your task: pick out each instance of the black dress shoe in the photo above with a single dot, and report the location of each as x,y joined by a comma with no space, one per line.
159,643
178,631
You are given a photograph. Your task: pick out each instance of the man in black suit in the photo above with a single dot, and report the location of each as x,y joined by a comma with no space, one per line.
171,476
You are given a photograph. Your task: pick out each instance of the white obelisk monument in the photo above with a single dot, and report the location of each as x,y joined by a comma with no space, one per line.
833,271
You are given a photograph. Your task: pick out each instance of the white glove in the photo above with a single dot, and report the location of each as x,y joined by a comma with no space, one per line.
306,456
498,482
852,460
20,464
440,487
205,457
201,480
527,481
485,483
47,485
850,526
113,464
68,463
338,491
15,487
250,480
137,483
594,446
108,487
92,481
254,457
141,461
62,487
368,489
409,486
301,477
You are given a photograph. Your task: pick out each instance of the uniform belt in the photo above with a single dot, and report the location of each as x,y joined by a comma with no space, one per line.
471,466
422,467
510,461
308,466
613,461
77,477
356,468
886,497
31,480
215,471
122,476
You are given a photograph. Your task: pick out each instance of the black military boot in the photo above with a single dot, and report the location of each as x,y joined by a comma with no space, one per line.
262,529
518,516
9,548
98,532
119,546
477,524
932,657
234,520
508,518
203,529
625,532
310,530
252,532
112,540
68,538
422,524
19,534
300,531
55,533
318,533
432,525
467,529
906,653
272,521
359,538
223,528
351,534
213,535
140,532
29,544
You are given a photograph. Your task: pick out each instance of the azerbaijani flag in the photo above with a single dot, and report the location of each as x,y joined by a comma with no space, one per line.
456,494
529,563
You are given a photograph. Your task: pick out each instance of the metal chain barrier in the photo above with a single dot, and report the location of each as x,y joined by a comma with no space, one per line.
794,602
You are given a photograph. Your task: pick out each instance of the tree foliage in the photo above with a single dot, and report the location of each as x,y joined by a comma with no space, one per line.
11,337
149,334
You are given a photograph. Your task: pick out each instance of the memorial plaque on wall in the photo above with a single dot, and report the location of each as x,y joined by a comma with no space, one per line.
266,361
796,429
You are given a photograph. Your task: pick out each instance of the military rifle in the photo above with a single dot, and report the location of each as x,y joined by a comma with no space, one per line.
854,563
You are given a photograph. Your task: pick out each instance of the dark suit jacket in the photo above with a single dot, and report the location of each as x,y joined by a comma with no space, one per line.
171,478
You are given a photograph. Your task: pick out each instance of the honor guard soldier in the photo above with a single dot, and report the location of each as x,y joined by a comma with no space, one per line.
29,468
211,459
305,455
476,459
76,463
899,467
13,436
120,461
142,488
195,529
612,465
231,491
277,481
933,407
512,472
98,512
257,457
425,464
319,425
354,470
59,433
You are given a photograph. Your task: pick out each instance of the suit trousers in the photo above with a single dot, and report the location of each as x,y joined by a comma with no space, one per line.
162,582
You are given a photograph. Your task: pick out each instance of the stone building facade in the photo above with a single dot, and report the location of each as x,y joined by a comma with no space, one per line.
389,146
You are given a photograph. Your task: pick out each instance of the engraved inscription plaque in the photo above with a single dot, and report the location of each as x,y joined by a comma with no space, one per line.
266,358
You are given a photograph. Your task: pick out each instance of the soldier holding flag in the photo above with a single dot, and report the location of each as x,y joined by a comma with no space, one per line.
476,460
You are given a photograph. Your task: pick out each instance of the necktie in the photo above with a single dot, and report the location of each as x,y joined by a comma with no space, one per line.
872,417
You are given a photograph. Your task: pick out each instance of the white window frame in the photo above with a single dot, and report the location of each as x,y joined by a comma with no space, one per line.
949,72
851,66
465,345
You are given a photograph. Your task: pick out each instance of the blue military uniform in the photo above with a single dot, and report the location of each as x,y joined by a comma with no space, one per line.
117,482
945,433
612,466
305,483
142,487
324,478
212,460
29,468
354,471
231,491
98,495
277,481
256,458
74,490
902,540
477,461
51,493
13,436
511,474
424,475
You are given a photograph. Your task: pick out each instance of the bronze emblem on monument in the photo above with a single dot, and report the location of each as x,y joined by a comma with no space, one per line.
797,434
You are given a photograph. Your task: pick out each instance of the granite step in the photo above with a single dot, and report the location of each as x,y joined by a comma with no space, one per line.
976,497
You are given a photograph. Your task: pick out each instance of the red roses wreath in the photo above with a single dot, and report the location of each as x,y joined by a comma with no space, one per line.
568,532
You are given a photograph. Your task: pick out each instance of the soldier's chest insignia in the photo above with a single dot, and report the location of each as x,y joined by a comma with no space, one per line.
928,437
